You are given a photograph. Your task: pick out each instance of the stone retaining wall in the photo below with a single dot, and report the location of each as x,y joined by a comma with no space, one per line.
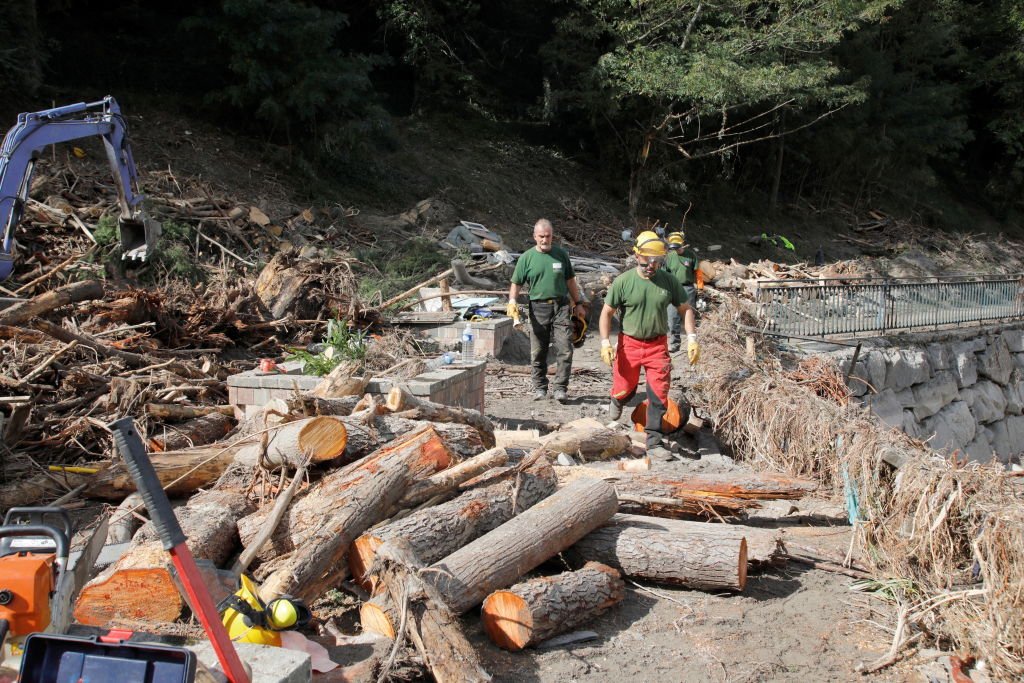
959,392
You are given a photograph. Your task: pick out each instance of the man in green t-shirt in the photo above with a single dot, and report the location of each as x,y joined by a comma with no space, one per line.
554,299
641,297
681,261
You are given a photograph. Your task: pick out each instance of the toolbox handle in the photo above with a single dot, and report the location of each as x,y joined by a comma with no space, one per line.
58,536
129,443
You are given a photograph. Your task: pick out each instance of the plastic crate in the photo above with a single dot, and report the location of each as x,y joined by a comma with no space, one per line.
51,658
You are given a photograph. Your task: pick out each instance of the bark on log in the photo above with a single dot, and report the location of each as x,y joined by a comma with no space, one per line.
399,399
321,438
341,382
139,586
123,520
497,559
23,311
464,440
531,612
449,480
180,472
588,439
694,555
175,411
436,532
433,628
320,527
691,494
198,431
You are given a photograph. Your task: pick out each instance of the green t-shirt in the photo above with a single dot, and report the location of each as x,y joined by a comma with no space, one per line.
546,274
643,303
683,265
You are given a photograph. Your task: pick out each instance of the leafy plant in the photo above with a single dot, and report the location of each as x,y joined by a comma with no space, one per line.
341,343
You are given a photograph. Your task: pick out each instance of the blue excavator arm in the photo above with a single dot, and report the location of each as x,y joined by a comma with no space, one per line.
34,132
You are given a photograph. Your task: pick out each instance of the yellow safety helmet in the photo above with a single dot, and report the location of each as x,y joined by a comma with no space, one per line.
248,620
676,239
649,244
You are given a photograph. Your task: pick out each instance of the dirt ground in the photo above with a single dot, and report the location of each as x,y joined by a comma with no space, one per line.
794,623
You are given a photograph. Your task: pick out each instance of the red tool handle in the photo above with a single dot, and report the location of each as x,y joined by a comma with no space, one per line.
129,443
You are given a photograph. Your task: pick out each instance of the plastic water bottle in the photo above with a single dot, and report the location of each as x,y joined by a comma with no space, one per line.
467,342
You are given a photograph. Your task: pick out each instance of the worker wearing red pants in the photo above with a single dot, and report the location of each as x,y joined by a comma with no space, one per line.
641,297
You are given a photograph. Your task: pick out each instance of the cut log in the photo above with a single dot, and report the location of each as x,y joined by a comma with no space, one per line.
400,400
180,473
198,431
531,612
588,439
436,532
341,382
319,528
139,587
320,438
125,520
432,627
280,286
449,480
464,440
308,405
497,559
378,615
177,412
706,495
690,554
23,311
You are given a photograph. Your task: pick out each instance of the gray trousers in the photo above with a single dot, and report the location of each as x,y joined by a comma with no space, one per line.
550,324
675,321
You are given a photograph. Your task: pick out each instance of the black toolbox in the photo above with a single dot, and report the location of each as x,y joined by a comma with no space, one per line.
52,658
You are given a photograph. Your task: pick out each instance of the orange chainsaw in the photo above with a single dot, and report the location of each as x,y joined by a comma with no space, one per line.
33,557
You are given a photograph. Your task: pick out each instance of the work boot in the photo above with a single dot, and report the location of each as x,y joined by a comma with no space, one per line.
673,345
614,409
540,394
561,395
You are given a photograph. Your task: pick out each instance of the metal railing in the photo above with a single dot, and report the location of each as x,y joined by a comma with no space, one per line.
827,306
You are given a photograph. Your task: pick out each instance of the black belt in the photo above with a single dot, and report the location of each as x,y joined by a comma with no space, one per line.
550,301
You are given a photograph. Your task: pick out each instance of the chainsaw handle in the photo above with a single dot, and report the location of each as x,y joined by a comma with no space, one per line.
129,443
33,515
60,539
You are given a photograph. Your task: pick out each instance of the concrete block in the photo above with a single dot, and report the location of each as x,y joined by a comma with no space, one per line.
1014,340
952,427
933,395
995,361
966,365
905,368
940,356
269,664
887,408
986,401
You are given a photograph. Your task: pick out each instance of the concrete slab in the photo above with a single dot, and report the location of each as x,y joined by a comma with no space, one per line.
269,664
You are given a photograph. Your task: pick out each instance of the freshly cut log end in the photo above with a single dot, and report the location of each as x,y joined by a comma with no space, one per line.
378,616
144,594
324,438
531,612
507,620
360,559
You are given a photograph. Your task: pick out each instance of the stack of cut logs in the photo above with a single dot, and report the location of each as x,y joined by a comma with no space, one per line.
414,502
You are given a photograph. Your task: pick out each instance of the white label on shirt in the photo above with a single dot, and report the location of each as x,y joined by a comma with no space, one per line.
556,266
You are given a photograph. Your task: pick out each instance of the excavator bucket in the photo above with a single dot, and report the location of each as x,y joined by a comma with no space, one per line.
139,236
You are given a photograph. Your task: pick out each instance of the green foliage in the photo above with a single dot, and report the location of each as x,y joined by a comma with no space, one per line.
341,343
106,232
397,267
288,73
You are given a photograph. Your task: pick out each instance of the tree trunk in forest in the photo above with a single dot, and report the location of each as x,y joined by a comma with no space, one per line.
198,431
691,554
497,559
399,400
438,531
139,585
531,612
433,628
588,439
320,527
